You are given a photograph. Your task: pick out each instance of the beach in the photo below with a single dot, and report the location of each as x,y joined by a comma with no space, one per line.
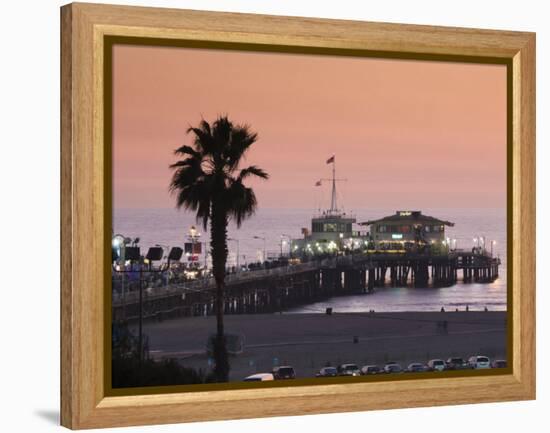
309,342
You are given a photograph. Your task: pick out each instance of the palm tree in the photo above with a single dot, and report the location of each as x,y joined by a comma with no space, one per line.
209,181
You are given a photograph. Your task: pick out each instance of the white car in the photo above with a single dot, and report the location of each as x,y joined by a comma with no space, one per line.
416,367
392,367
478,362
371,369
436,365
349,370
259,377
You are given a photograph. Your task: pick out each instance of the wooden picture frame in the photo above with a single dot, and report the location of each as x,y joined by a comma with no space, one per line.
85,28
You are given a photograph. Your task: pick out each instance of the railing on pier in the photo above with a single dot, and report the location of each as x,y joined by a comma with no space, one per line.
268,289
208,283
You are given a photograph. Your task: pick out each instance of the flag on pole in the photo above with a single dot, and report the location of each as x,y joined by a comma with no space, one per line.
331,159
318,183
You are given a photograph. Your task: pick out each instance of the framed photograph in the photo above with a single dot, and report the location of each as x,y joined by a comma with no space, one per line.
268,216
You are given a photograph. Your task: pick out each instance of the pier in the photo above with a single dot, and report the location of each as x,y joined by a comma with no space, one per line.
407,248
284,287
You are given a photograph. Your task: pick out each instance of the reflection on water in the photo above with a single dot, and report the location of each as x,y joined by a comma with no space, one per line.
475,296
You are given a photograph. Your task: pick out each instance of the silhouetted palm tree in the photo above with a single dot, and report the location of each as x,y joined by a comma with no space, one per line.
209,181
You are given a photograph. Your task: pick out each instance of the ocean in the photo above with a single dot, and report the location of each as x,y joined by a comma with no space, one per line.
170,227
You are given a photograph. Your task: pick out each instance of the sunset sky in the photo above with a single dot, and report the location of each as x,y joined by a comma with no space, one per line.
406,134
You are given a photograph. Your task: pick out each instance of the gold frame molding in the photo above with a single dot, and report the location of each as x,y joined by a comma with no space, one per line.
85,400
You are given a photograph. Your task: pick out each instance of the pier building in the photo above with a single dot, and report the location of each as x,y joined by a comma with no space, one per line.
332,229
405,230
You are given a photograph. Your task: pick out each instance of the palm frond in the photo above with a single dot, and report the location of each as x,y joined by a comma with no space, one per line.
187,150
253,170
221,135
188,173
187,162
243,202
197,197
205,126
241,140
203,140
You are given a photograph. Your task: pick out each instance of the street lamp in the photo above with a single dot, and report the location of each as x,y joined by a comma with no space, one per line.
262,238
283,242
236,240
118,241
119,244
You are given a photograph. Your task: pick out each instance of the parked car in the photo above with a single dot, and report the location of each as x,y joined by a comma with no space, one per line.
456,364
349,370
499,363
259,377
478,362
284,372
416,367
327,372
371,369
436,365
392,367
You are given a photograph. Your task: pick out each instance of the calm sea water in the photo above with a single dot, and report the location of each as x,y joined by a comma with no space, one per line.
170,227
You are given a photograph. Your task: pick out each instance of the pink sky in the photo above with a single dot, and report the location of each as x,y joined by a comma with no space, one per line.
406,134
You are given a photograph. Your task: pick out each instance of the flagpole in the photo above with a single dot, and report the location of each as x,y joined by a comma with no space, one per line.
333,201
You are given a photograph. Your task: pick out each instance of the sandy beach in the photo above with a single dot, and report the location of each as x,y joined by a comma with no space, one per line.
311,341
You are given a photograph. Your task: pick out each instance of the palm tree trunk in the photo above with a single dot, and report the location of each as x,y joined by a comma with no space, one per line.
218,230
